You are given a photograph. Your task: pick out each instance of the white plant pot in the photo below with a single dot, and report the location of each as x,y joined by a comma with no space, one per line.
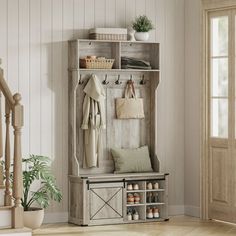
141,36
33,219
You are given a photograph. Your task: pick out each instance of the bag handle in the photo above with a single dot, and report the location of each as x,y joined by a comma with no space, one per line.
130,91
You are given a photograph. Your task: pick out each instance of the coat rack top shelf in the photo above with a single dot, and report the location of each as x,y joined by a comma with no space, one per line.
147,51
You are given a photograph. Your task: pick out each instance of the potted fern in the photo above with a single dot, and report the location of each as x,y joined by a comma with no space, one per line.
37,168
142,25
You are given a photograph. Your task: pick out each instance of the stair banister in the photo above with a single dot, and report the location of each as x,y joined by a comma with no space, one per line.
5,89
14,109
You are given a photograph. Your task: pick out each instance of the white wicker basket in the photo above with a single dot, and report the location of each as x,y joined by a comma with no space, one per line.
119,34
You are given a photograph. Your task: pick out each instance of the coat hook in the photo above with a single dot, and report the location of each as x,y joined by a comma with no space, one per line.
142,82
105,82
80,80
131,76
118,80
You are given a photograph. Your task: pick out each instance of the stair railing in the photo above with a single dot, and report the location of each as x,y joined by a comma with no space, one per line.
13,116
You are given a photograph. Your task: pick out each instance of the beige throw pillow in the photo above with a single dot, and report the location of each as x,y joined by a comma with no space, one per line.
131,160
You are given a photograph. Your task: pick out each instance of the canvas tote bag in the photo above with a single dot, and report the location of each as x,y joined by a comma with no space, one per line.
129,107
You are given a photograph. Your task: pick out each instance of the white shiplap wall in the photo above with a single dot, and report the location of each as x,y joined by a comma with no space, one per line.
192,106
33,46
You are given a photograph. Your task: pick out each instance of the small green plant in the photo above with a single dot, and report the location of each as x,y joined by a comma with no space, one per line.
38,168
142,24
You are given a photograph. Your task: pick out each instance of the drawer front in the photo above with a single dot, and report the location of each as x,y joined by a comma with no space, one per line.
106,201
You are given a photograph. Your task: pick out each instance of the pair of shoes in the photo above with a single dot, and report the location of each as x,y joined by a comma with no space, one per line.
153,213
152,197
152,185
132,187
133,216
133,198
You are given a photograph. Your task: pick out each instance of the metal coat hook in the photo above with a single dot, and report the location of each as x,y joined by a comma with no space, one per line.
118,82
80,80
105,82
142,82
131,77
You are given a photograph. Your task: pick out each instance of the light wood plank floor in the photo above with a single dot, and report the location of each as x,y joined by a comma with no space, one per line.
181,225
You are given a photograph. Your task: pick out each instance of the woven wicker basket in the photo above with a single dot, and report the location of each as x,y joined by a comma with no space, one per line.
108,34
120,37
96,63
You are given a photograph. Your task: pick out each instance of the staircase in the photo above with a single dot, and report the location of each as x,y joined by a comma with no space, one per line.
11,211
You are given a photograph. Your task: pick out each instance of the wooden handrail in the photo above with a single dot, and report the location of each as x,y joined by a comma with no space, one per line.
5,89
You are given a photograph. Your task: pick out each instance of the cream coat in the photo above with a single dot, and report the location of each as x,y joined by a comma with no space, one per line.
93,121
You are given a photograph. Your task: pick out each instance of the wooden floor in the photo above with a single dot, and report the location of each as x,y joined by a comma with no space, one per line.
180,225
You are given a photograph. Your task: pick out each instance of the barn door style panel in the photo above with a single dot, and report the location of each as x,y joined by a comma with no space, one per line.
105,203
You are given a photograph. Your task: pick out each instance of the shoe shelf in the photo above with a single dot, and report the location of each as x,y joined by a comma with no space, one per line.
153,200
155,203
135,191
136,204
155,190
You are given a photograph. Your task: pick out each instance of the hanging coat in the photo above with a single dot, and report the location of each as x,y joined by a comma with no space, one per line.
93,121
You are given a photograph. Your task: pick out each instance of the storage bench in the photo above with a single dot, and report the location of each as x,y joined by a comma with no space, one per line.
102,199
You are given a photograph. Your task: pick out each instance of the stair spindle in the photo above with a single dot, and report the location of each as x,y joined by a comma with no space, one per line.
1,148
17,122
8,197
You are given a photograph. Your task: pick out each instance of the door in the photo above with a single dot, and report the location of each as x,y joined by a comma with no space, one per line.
221,116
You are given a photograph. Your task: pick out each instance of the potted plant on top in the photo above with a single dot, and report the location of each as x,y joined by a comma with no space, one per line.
37,168
142,25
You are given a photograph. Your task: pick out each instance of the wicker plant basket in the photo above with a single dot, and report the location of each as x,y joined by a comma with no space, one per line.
96,63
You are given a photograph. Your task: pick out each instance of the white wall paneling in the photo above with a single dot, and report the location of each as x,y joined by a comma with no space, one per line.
192,106
33,46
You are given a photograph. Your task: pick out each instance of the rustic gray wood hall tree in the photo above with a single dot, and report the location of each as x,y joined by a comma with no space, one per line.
96,195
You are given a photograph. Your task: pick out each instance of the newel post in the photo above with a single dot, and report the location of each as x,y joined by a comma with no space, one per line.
17,123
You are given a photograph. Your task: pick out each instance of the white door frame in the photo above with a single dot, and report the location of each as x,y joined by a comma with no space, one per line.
207,6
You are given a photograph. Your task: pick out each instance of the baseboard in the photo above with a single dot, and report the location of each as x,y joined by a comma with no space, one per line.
192,211
176,210
57,217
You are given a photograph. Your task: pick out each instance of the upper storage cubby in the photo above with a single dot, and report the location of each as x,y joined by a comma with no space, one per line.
148,52
133,53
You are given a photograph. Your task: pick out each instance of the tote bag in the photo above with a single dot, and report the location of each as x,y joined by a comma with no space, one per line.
129,107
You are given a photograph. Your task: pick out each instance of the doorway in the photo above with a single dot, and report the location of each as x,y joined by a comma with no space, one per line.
219,134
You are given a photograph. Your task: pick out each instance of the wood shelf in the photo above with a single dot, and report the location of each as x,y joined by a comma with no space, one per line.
155,219
135,191
112,41
145,220
134,205
155,204
155,190
115,70
148,51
